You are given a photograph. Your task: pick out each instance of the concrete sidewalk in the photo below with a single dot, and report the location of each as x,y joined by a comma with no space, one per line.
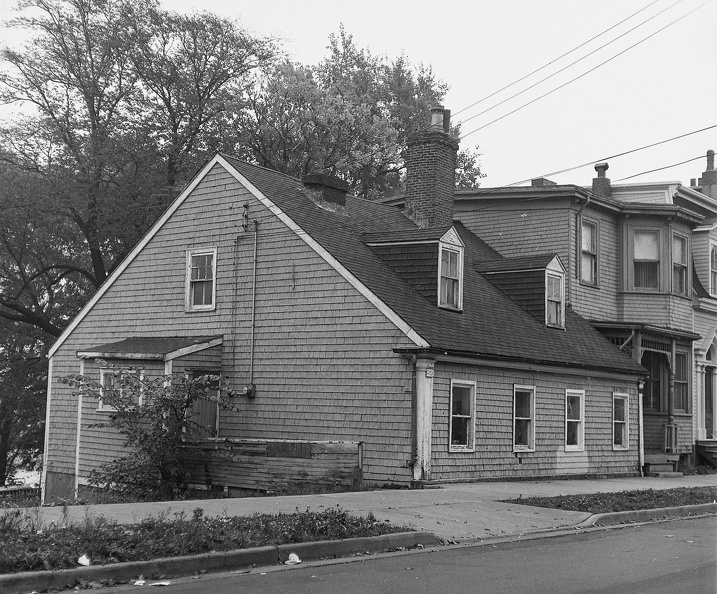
456,512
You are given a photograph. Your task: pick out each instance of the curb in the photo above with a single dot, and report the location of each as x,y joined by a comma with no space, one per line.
24,582
645,515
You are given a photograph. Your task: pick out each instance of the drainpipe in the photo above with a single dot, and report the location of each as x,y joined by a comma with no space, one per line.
249,390
423,411
640,432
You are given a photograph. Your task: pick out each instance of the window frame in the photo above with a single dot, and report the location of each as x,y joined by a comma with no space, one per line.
560,323
681,267
592,253
634,261
111,372
580,445
713,269
530,446
624,423
471,423
189,293
458,251
683,383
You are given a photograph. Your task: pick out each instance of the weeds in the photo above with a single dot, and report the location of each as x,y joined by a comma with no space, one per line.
29,547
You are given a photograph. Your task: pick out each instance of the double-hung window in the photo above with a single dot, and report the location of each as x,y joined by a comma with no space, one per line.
620,411
201,276
681,382
554,300
646,259
713,270
462,423
523,418
679,265
450,275
118,384
574,420
589,253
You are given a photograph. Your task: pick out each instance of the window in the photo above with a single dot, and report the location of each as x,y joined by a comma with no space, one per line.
554,300
646,257
523,418
574,420
620,438
450,274
588,253
681,377
679,265
713,270
116,379
651,394
201,272
462,416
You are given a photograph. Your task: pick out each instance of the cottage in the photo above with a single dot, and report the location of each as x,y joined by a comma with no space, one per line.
392,347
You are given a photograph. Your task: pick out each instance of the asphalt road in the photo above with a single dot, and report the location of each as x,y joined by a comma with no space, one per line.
676,556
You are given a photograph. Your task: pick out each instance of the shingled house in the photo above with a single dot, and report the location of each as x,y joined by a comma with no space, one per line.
395,345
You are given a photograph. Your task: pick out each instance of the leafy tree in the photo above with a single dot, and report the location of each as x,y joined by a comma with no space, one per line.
23,379
158,419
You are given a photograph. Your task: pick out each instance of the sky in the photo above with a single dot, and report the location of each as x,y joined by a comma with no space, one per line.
650,83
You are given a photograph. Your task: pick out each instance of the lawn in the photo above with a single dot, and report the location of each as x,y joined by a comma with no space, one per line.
600,503
27,546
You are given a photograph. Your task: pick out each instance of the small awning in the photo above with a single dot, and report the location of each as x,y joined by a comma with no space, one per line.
151,348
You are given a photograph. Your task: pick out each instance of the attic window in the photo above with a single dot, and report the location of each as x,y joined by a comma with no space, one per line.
555,299
201,271
450,273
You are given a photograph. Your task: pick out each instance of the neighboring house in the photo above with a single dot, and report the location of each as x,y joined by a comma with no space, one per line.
347,326
641,264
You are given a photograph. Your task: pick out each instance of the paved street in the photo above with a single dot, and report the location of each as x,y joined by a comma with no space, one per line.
675,556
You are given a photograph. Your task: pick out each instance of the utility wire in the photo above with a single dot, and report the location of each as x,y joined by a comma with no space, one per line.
584,73
615,156
544,66
661,168
542,80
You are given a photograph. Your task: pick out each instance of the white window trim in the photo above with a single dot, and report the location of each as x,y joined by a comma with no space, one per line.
459,251
659,261
685,265
531,441
626,437
713,284
101,406
471,423
189,307
595,254
561,277
581,427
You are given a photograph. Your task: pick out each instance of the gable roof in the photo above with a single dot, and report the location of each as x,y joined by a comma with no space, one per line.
490,325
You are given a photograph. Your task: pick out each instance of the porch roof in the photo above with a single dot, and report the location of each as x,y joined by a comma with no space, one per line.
152,348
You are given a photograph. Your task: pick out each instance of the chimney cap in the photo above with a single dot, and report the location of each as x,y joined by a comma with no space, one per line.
601,168
326,180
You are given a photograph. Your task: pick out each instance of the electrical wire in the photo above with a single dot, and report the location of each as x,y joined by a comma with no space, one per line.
515,82
660,168
584,73
542,80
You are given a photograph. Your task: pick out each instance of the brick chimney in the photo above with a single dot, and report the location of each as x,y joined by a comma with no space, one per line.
708,181
601,183
430,173
326,191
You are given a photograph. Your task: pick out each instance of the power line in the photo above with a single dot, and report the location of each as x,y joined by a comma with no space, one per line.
585,73
661,168
515,82
615,156
542,80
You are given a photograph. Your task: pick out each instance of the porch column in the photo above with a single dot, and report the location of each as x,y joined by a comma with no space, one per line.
423,418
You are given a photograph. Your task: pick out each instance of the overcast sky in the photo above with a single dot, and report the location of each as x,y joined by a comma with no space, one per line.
663,87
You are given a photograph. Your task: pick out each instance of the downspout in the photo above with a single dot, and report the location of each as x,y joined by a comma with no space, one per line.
249,390
640,434
423,411
43,478
79,429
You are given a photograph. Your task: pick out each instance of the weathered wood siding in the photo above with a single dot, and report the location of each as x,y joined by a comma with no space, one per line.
323,362
275,465
494,457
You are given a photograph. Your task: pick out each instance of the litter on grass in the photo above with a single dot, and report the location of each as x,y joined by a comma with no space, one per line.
84,560
293,559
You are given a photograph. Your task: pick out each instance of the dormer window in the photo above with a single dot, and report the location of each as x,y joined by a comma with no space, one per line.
554,299
450,272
